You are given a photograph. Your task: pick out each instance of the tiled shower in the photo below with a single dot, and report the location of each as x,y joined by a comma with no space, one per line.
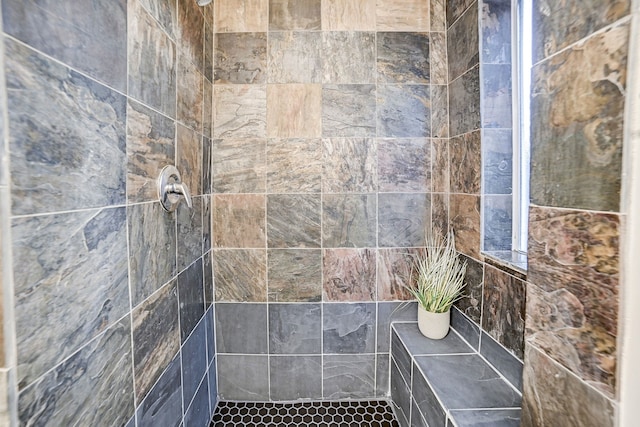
318,138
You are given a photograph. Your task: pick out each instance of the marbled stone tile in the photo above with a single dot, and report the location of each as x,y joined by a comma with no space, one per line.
150,147
467,329
76,34
152,61
244,378
498,222
437,9
382,375
349,275
553,396
349,328
295,111
67,132
348,57
439,111
471,302
349,165
295,329
213,387
462,44
495,25
294,15
294,165
496,96
400,395
295,275
404,165
349,376
403,111
189,232
239,220
348,110
349,15
402,57
403,218
211,338
556,26
440,165
239,111
406,311
240,328
57,308
240,275
152,249
293,221
465,163
349,220
209,50
194,363
504,309
295,57
190,94
497,159
207,278
578,96
402,15
207,110
438,61
440,212
191,297
503,360
165,12
572,299
455,9
163,404
464,220
426,401
199,413
207,179
495,418
239,165
191,32
156,337
241,58
240,16
189,159
295,377
394,273
464,103
85,388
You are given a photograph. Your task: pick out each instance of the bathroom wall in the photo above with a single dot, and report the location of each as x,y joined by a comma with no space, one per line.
327,115
112,295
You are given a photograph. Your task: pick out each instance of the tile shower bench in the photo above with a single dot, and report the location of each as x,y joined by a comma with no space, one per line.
448,383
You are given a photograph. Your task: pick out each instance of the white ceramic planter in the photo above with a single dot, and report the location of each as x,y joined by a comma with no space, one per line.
433,325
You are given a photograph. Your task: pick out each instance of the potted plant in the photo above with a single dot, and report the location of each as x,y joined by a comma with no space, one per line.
437,281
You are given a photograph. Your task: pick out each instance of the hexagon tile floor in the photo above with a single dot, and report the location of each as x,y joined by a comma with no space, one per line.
371,413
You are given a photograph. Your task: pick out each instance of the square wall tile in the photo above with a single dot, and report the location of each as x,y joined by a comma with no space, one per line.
239,111
241,328
403,57
295,329
295,275
241,16
239,165
294,15
295,57
403,219
240,221
349,15
404,165
293,221
349,275
348,110
348,57
406,311
349,328
243,377
349,376
294,165
349,165
240,275
294,110
349,220
403,111
402,15
394,273
295,377
241,58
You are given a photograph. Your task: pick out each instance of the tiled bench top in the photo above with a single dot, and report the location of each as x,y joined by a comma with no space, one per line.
441,383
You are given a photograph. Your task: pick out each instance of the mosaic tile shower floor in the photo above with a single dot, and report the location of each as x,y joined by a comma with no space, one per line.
371,413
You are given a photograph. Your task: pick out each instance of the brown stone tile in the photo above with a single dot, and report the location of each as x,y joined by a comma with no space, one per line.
438,58
294,165
404,165
349,275
240,111
349,165
190,95
294,15
440,165
241,58
349,220
294,110
349,15
293,221
349,110
240,221
572,302
239,16
402,15
189,159
394,273
471,302
439,111
440,212
464,220
295,275
438,11
463,44
295,57
552,396
402,57
240,275
464,103
349,57
465,163
455,9
191,33
239,166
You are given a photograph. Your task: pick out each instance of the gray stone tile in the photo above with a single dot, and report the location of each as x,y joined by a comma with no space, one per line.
76,34
400,396
241,328
464,103
348,57
404,165
199,413
239,165
207,111
496,96
349,220
295,329
403,57
402,219
467,381
295,377
294,165
57,308
191,297
392,312
241,58
471,303
240,275
84,389
426,401
467,329
349,328
455,9
462,44
348,110
295,57
132,422
401,357
190,94
293,221
213,387
349,376
211,335
243,377
498,222
487,418
60,149
206,263
240,111
163,404
504,362
166,13
207,162
497,158
295,275
417,344
191,32
189,234
194,362
417,420
403,111
496,32
382,374
152,247
349,165
294,15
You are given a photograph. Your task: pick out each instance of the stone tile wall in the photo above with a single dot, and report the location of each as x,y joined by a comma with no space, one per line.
113,314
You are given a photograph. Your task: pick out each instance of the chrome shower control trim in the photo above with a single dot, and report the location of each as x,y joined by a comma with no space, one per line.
171,189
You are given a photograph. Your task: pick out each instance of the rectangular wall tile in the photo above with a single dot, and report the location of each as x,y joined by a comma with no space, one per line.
465,163
496,96
189,232
191,33
501,358
199,413
189,158
464,103
471,303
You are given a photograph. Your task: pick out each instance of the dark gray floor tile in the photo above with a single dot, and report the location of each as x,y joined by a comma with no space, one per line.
243,377
392,312
426,400
295,329
295,377
466,328
349,376
417,343
241,328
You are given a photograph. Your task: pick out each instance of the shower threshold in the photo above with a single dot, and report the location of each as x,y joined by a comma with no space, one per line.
361,413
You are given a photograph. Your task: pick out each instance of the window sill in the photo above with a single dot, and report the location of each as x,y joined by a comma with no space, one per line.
515,261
